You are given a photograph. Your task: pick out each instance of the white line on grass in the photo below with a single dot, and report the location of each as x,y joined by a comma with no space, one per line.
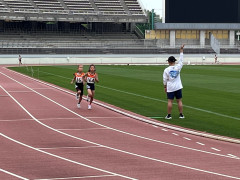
75,162
156,117
154,99
12,174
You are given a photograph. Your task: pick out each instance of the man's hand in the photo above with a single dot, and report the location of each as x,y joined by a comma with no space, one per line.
181,48
165,88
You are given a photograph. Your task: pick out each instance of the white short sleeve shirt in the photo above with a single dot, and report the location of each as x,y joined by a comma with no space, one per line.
171,76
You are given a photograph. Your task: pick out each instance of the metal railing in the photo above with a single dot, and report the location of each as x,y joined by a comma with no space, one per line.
31,43
67,12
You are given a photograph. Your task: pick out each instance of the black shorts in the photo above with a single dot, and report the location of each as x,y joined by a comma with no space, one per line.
91,86
177,94
79,87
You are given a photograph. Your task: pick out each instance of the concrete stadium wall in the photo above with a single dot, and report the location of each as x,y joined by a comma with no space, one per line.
114,59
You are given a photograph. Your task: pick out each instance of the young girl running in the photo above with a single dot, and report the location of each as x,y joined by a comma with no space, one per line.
79,79
91,78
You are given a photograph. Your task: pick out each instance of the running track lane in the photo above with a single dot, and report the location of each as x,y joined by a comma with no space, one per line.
98,138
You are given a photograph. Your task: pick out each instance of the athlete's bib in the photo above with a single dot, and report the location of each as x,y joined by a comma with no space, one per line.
79,78
91,78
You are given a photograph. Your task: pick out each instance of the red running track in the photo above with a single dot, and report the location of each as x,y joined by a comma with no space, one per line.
45,136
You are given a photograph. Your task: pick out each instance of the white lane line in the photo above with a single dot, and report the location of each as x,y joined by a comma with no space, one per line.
86,147
43,88
83,177
107,117
175,134
107,147
232,155
54,118
20,91
215,149
14,120
165,130
65,159
4,96
45,119
165,162
200,143
129,153
81,129
155,126
12,174
162,142
187,138
133,116
59,157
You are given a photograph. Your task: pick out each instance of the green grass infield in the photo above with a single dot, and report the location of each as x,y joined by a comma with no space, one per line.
211,94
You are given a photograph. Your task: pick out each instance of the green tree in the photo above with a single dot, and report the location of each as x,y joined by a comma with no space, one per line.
152,19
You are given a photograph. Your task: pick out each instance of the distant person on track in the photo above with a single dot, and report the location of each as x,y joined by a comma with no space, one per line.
19,60
216,59
91,77
79,83
173,85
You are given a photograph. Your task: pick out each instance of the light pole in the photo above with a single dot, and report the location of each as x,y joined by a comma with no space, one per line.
238,34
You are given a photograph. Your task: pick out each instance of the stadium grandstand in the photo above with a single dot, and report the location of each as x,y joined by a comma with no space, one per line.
68,26
88,27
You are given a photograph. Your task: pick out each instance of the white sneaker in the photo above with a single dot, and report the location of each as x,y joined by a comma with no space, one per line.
78,105
181,116
168,117
77,96
89,107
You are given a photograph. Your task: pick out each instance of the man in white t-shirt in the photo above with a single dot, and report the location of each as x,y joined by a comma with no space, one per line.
172,83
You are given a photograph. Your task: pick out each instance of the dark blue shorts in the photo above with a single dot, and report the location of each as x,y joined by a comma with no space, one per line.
177,94
91,86
79,87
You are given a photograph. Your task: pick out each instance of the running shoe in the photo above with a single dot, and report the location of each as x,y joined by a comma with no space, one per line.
181,116
78,105
168,116
89,107
77,96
